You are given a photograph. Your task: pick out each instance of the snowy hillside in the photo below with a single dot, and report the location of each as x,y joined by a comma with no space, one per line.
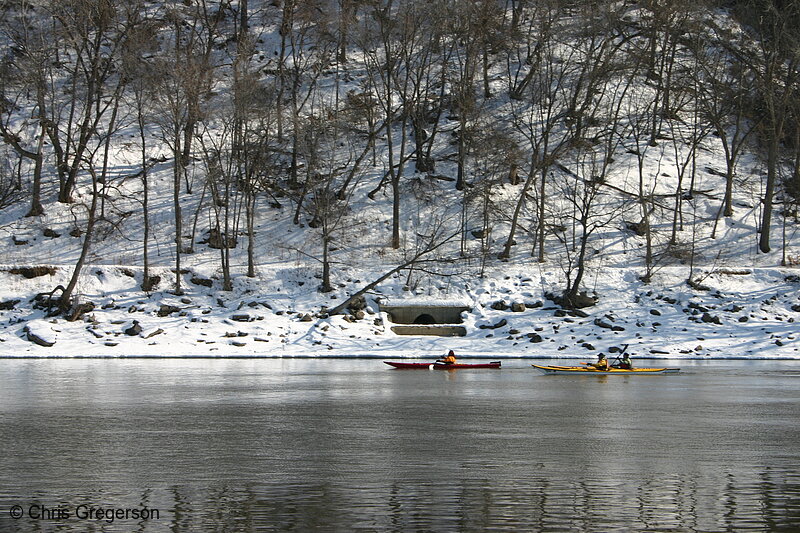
546,157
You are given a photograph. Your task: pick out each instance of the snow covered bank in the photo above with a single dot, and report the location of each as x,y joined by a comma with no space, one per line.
748,313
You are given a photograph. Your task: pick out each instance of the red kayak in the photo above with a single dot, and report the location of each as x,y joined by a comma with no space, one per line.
442,366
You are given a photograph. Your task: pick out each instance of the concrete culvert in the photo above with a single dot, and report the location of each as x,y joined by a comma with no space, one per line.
424,319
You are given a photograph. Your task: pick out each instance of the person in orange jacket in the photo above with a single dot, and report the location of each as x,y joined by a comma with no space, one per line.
450,358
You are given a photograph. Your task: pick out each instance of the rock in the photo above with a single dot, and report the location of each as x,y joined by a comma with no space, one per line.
359,315
638,228
744,318
796,308
702,309
499,324
378,322
158,331
582,300
358,304
535,305
602,324
238,343
578,313
535,337
166,310
518,307
217,239
97,334
710,319
134,330
79,310
588,346
242,317
306,318
205,282
655,312
40,336
499,305
8,305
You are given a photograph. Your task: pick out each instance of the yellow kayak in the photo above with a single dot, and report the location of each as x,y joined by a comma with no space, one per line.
555,369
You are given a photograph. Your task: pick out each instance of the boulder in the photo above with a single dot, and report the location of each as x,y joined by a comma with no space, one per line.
358,304
166,310
602,323
41,335
500,305
134,330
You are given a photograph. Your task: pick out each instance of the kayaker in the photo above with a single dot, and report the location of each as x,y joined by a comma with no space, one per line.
450,358
625,362
602,362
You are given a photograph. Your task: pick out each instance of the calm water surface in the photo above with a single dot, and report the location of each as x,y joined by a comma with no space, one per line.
342,445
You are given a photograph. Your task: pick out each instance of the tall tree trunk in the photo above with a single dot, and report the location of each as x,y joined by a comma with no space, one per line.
65,302
769,192
177,170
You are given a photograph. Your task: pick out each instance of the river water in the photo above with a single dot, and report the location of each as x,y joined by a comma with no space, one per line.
343,445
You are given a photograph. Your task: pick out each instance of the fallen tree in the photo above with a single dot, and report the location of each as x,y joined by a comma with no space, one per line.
433,243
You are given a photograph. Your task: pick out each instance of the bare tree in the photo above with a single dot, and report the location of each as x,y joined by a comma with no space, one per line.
20,70
777,69
724,86
140,88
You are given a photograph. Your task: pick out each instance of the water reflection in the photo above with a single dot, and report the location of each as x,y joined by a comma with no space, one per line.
540,503
249,446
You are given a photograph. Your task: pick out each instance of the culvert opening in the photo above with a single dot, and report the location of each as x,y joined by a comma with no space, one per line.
425,319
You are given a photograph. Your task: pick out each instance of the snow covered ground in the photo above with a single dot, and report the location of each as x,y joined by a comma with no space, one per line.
748,313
